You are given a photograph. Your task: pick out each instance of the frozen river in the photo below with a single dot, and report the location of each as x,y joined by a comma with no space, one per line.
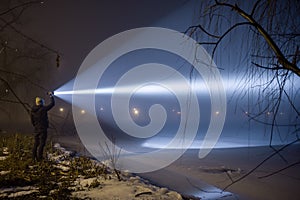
205,178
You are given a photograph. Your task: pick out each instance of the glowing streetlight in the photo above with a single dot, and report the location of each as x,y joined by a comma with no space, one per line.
82,111
135,111
61,109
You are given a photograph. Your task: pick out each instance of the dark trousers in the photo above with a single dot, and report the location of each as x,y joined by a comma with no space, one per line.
39,144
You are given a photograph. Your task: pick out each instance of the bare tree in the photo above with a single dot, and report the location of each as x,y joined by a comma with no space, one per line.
21,59
264,37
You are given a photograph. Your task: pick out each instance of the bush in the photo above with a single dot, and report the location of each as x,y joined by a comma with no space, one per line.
52,180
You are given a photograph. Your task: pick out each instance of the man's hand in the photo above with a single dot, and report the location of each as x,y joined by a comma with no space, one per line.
51,94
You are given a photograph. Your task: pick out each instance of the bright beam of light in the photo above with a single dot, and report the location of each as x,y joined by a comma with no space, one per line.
147,89
89,91
150,89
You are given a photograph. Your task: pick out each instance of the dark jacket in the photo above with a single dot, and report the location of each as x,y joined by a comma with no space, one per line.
39,116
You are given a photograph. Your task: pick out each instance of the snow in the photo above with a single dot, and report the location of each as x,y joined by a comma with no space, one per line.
5,150
21,193
133,188
3,157
188,176
4,172
205,178
111,188
17,191
129,187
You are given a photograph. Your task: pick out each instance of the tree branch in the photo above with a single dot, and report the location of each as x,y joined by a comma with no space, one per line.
15,95
280,57
280,170
260,164
20,6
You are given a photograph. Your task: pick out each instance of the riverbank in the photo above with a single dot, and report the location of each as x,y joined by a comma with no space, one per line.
64,174
205,178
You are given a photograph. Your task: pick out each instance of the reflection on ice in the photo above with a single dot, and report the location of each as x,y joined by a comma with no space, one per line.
160,142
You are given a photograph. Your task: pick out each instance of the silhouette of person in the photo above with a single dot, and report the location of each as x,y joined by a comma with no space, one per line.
40,122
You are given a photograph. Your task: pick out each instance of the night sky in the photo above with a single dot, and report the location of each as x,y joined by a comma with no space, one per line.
74,28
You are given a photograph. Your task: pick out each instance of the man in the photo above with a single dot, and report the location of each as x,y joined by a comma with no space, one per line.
39,119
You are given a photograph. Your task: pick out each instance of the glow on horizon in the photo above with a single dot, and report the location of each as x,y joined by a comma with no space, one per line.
223,143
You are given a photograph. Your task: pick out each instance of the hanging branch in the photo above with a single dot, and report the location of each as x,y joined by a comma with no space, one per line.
31,39
20,6
16,96
9,24
286,64
280,170
34,41
280,66
260,164
17,102
24,77
290,66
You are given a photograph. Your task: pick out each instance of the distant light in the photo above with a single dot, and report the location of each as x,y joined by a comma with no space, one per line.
217,112
269,113
101,108
61,109
82,111
178,113
135,111
6,90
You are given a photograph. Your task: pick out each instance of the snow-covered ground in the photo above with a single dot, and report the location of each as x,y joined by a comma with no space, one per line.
130,187
99,187
205,178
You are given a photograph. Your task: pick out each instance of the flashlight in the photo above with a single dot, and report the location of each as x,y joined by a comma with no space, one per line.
50,93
